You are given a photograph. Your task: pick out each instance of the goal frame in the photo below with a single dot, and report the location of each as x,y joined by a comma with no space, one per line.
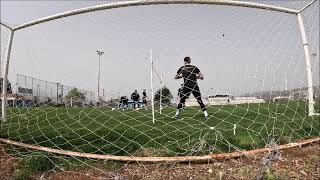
5,68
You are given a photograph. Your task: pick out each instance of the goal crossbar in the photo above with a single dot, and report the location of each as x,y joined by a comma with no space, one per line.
155,2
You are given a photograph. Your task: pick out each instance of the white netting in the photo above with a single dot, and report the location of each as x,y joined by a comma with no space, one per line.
254,86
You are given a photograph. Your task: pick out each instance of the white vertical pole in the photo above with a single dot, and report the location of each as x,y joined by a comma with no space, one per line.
152,91
161,79
286,82
5,79
99,81
311,111
100,53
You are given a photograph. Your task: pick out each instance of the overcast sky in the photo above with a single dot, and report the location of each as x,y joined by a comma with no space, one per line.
239,50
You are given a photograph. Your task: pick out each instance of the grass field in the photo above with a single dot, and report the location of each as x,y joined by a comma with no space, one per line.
100,130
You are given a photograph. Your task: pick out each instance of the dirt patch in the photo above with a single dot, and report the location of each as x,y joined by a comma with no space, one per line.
295,163
6,165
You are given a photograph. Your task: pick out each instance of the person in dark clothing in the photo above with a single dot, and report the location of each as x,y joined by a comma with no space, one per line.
190,75
123,102
9,88
135,97
144,97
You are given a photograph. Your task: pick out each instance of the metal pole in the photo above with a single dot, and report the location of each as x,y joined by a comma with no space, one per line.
45,92
57,93
152,91
305,7
99,81
32,87
311,111
7,26
17,85
62,93
51,93
5,79
38,91
99,54
161,93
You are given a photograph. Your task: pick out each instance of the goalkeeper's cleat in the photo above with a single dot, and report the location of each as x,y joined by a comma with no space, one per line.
206,115
175,117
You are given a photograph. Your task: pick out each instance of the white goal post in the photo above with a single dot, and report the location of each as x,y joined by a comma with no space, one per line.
6,63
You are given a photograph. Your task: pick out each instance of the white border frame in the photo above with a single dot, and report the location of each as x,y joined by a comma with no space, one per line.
5,68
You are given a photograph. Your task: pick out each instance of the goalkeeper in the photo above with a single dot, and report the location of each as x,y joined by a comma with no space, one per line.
190,74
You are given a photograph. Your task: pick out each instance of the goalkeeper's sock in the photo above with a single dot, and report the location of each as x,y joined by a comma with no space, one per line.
177,112
205,113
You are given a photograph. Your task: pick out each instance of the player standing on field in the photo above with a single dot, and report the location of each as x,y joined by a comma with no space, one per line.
190,74
144,98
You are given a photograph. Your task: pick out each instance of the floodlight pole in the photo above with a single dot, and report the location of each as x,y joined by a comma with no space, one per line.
100,53
5,79
152,91
311,111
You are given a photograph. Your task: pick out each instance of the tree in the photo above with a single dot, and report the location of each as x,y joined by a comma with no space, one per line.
166,96
76,96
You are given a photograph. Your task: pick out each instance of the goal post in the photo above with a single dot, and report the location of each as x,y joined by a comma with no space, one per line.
254,90
5,70
311,110
311,103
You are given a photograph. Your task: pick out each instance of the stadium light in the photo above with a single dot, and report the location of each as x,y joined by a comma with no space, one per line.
100,53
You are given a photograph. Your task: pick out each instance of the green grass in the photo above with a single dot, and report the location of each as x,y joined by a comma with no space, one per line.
100,130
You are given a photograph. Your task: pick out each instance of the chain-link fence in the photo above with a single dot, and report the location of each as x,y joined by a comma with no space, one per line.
45,92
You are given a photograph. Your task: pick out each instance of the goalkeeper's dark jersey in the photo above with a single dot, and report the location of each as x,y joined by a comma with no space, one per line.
189,74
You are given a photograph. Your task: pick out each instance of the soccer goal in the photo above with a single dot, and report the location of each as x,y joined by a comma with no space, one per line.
164,80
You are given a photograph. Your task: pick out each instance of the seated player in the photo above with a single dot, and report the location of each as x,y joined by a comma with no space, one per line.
123,102
135,97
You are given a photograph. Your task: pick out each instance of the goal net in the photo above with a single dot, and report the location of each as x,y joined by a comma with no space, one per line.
255,85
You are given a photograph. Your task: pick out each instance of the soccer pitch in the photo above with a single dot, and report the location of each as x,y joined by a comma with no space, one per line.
103,131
